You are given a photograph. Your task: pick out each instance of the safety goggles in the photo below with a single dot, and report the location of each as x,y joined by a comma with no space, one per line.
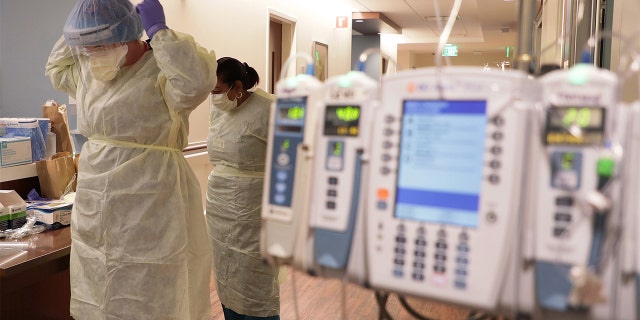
96,50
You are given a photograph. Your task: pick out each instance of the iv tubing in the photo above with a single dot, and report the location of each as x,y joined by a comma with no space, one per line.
15,245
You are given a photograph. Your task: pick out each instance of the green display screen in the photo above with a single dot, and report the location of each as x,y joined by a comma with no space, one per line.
342,121
575,125
292,113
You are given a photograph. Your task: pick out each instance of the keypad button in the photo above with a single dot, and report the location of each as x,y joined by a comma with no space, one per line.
564,217
283,159
560,232
462,260
564,201
282,175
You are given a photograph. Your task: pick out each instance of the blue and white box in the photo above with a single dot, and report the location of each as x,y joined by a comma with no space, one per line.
15,151
53,214
26,127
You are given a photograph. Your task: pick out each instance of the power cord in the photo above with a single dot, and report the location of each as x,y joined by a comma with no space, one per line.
412,311
381,299
476,315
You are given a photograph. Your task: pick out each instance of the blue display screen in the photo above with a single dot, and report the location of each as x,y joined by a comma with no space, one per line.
441,161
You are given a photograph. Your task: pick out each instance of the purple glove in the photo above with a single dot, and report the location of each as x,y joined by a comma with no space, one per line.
152,16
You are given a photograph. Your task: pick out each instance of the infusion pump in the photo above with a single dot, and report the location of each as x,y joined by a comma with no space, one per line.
444,183
288,166
574,190
349,103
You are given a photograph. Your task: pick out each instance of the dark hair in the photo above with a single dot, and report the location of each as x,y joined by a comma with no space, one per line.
231,70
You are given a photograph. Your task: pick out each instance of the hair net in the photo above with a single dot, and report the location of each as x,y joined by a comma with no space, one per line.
101,22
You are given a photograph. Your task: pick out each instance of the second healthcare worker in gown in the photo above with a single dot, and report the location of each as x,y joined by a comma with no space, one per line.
237,144
139,246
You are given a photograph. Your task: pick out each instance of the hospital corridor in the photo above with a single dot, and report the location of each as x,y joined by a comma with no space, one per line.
319,160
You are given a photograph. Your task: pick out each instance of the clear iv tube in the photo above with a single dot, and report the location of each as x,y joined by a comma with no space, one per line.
436,7
15,245
13,257
295,295
446,32
308,58
364,56
444,37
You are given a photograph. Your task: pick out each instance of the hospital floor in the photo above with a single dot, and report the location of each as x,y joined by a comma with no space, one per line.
321,299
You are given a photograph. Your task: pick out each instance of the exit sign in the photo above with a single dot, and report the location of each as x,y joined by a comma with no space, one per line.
342,22
450,51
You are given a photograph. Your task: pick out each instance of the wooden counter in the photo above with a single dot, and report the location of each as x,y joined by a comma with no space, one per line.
35,285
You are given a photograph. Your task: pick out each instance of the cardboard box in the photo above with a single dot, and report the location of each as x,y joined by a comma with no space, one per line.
53,214
15,151
13,210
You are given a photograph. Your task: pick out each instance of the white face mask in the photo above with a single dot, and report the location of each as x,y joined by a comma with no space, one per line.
104,66
222,102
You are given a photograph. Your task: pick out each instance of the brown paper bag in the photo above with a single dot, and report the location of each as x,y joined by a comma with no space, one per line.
59,125
56,174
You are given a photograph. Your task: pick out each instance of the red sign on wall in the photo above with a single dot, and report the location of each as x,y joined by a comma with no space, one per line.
342,22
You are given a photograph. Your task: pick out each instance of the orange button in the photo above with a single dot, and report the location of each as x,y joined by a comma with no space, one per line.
383,194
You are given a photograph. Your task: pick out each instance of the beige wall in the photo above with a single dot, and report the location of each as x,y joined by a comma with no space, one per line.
428,60
240,28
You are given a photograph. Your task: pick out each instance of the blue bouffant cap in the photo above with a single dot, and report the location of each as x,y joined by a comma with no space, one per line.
102,22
